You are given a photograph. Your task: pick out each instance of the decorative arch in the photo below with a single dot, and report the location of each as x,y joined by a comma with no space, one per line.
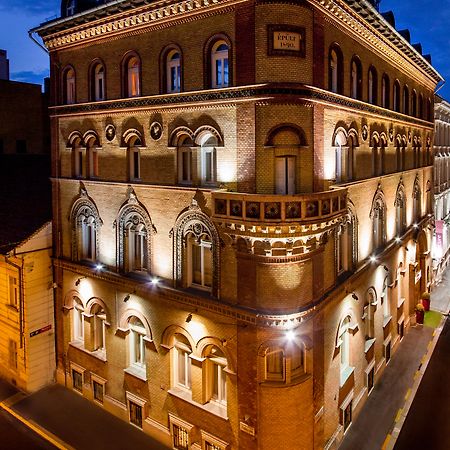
132,211
195,221
84,207
298,131
352,221
347,318
207,130
68,301
378,199
378,217
177,135
353,135
74,138
96,301
128,314
168,336
166,53
132,137
91,135
340,137
207,60
209,341
371,294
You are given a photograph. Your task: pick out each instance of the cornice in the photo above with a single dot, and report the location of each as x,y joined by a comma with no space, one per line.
131,21
296,94
351,22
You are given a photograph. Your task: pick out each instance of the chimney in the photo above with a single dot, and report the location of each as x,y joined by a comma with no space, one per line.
4,66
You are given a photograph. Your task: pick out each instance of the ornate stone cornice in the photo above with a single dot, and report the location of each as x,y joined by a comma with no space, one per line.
297,93
67,33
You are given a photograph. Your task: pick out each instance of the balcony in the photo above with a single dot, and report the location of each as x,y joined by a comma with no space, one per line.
259,209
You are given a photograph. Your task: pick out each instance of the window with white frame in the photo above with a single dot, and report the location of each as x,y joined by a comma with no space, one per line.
78,159
77,380
98,389
385,298
182,363
78,320
208,160
133,77
180,431
86,224
99,83
13,291
400,212
134,163
69,86
219,65
217,379
135,411
355,78
344,349
416,202
173,72
137,343
88,237
334,68
136,244
369,313
378,214
92,159
343,249
185,165
99,322
200,261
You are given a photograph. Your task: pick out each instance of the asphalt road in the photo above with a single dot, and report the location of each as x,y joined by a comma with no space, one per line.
427,425
14,435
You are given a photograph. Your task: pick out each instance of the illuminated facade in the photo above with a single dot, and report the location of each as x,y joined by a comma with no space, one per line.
242,196
441,185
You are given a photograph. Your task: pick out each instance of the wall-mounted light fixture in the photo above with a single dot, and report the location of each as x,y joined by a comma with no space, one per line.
99,266
78,281
373,258
354,296
386,268
188,318
154,281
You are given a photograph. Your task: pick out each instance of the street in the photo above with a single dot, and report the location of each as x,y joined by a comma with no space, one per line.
428,420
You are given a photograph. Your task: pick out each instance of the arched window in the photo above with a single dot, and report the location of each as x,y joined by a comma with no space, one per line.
216,363
98,82
344,349
414,103
420,106
400,153
369,313
134,230
335,69
78,321
346,244
405,100
131,68
284,363
69,86
137,343
385,91
78,159
429,111
385,299
396,96
417,194
173,72
184,158
86,224
208,144
355,78
372,86
219,65
99,334
182,363
196,251
400,210
378,216
92,147
134,145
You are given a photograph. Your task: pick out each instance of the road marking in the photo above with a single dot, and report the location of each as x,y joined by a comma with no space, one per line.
399,414
408,393
54,440
386,442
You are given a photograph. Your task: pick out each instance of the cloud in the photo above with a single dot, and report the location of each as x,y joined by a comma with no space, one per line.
28,76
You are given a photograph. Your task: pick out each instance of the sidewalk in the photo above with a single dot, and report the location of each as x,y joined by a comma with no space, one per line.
76,422
370,429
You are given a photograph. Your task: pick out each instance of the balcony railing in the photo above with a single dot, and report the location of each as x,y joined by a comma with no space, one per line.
306,208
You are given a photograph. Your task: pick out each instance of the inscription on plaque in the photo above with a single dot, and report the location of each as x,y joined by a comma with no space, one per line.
286,40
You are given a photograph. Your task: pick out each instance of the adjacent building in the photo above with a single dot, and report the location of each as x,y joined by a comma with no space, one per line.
242,201
27,340
441,243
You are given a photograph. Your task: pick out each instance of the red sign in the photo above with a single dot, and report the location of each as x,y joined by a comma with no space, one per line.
41,330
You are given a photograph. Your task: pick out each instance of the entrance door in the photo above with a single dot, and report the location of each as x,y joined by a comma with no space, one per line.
285,175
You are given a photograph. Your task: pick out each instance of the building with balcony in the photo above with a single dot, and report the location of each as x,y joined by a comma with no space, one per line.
242,196
441,185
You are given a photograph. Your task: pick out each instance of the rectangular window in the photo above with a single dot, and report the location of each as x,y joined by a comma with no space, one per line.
180,437
387,352
21,146
98,391
219,388
12,347
135,414
347,416
211,446
13,291
370,379
185,165
77,380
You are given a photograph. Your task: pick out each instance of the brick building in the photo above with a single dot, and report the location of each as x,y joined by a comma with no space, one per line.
441,185
242,196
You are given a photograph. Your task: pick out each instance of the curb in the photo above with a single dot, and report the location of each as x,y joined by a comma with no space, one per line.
42,432
392,437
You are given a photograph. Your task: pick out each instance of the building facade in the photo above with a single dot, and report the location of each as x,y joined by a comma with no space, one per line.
441,185
242,196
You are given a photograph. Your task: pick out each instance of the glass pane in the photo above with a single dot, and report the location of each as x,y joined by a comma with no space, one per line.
196,264
207,266
181,367
208,166
215,390
225,72
173,78
274,364
135,164
218,72
185,168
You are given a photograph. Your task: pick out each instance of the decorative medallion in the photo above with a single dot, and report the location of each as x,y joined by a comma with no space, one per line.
110,132
391,134
156,130
365,132
409,136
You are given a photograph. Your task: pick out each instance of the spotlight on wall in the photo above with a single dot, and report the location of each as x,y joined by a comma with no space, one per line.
386,268
290,335
77,283
373,258
416,225
98,266
398,240
126,298
354,296
154,281
189,318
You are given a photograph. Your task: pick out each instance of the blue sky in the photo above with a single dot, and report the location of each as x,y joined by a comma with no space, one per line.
426,19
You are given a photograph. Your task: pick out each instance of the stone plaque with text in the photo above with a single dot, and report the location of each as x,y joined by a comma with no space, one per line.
286,40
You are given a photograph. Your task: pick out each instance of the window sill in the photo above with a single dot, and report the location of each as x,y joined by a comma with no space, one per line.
211,407
281,383
98,354
369,344
138,372
386,321
400,302
12,307
345,375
